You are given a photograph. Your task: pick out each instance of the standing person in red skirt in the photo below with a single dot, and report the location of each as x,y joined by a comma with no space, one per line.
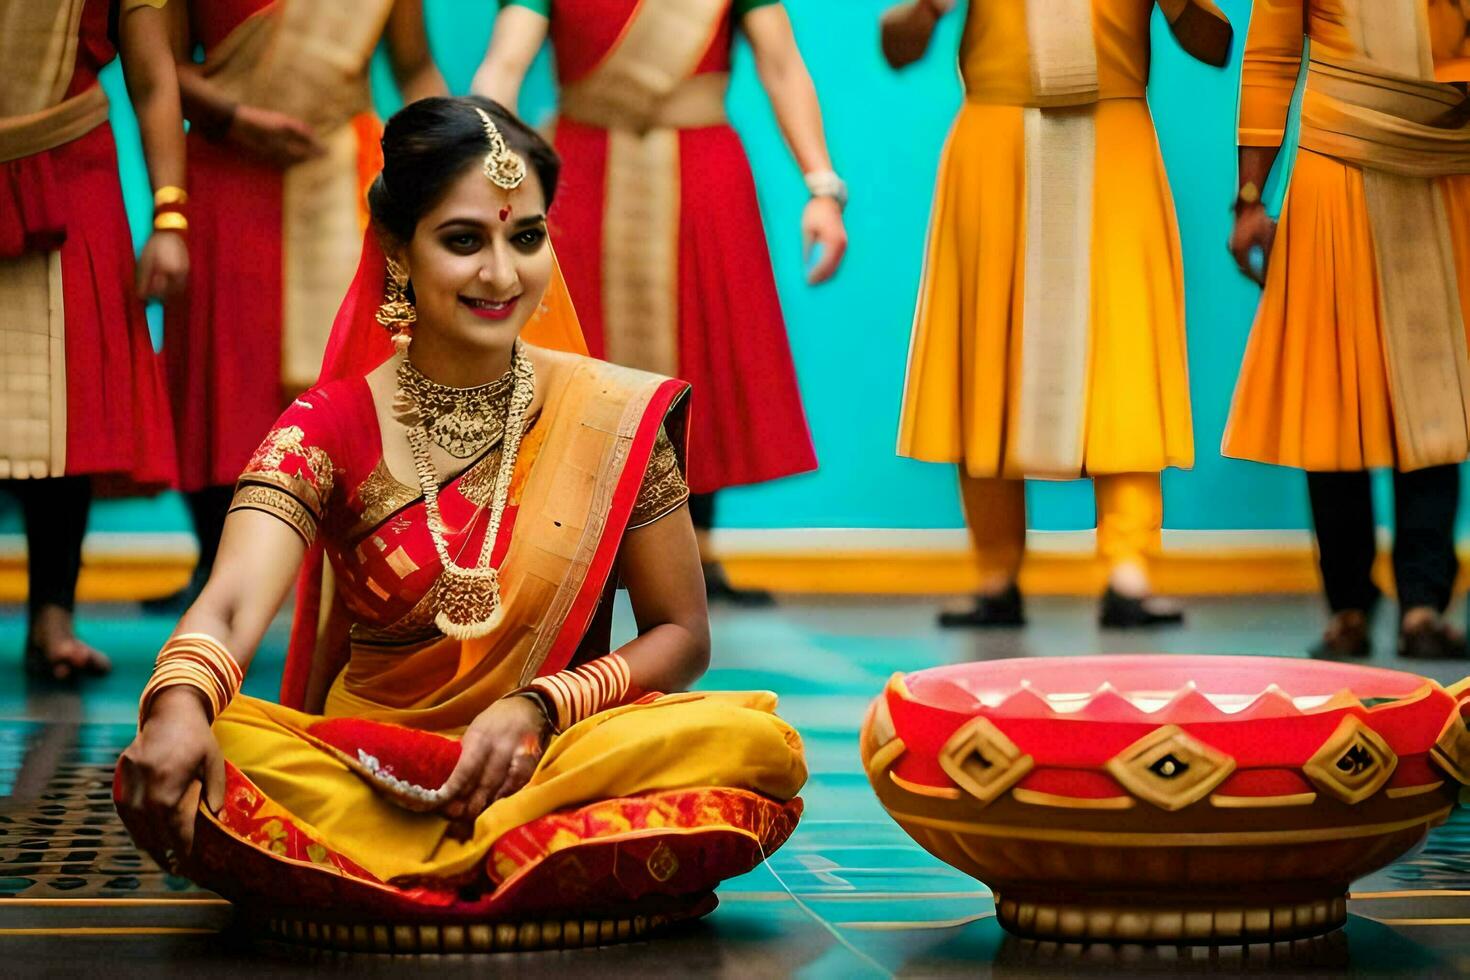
81,396
282,145
658,226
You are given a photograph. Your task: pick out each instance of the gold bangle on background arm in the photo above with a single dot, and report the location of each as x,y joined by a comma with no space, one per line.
170,221
1250,194
194,660
170,196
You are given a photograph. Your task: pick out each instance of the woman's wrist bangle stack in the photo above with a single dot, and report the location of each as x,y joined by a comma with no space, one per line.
572,695
168,209
194,660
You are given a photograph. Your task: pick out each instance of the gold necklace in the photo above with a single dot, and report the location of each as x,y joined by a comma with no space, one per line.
468,599
464,422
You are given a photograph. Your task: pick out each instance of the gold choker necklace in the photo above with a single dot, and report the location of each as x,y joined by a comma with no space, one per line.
468,599
464,422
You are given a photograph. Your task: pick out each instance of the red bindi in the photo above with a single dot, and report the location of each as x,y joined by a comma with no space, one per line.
505,213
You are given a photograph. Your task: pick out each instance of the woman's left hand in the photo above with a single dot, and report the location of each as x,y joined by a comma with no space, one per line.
498,754
822,226
163,268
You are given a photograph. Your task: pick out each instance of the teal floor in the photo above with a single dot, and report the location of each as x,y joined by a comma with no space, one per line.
850,895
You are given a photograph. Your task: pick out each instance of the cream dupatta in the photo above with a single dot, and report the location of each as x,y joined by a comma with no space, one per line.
1061,154
38,46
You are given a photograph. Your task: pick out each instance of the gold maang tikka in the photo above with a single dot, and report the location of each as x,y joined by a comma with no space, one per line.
396,313
503,166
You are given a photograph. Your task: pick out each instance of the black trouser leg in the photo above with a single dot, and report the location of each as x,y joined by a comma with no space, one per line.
702,510
208,509
55,512
1424,561
1342,513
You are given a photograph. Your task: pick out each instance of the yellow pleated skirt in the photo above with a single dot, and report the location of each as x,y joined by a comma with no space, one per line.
964,361
1314,390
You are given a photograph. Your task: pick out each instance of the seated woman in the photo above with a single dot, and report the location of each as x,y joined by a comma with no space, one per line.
460,762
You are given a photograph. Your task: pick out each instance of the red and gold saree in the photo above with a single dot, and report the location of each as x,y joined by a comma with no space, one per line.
638,811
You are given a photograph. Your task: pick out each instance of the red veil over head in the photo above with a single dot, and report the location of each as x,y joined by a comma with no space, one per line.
357,346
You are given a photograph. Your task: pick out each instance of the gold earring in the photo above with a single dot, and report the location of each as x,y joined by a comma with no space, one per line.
396,313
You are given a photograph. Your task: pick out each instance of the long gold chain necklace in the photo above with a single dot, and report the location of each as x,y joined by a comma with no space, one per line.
464,422
468,599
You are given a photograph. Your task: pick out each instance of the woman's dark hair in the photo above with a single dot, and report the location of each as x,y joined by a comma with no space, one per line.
429,143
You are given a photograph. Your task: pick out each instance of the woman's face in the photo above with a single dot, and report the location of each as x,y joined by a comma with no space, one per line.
480,262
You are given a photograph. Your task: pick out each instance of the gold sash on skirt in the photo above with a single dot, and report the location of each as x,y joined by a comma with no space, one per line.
1061,146
38,47
643,93
1048,424
309,59
1387,115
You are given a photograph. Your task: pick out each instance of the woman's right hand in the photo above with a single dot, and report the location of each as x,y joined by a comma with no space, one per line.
1254,228
275,137
498,754
173,760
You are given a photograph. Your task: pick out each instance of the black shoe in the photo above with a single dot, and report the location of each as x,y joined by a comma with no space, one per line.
1121,612
717,588
989,611
1432,641
1347,637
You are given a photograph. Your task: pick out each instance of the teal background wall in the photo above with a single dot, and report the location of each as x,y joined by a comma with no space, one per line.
850,337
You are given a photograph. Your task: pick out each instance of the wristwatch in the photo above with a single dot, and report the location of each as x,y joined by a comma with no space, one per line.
826,183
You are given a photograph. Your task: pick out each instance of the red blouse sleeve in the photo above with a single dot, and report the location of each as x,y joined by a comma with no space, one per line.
292,474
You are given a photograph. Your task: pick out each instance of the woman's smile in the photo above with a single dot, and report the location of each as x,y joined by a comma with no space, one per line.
490,309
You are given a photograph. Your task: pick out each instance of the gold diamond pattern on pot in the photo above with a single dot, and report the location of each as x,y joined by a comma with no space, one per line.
982,761
1170,769
1354,762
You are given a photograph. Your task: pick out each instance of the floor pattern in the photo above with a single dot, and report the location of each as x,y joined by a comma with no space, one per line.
850,895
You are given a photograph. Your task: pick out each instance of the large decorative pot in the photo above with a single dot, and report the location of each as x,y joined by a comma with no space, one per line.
1167,799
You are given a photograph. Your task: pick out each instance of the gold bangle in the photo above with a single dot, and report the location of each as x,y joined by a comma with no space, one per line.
582,692
199,661
1250,193
170,221
170,196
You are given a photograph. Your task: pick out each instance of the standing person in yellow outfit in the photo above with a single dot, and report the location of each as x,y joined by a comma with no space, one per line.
1049,337
1358,355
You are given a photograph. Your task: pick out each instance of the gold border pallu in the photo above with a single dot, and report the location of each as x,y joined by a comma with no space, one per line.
1382,118
309,59
1061,147
642,93
594,411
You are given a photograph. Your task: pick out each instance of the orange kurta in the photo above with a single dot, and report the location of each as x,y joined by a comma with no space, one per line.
965,364
1314,389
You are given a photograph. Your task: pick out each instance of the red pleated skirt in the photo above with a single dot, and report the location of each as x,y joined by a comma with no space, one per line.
746,418
118,427
222,338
